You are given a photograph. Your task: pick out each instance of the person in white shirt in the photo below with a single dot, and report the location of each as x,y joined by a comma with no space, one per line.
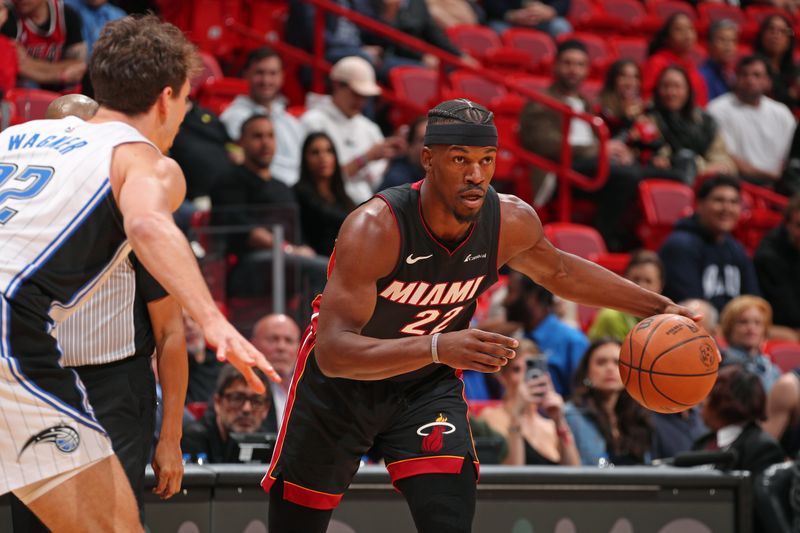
359,142
263,71
757,129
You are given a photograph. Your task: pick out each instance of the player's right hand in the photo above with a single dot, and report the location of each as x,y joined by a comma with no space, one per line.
474,349
235,349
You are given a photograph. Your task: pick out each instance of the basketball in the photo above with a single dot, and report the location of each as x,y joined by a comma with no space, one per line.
668,363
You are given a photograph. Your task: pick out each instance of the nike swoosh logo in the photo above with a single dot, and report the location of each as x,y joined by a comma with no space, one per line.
411,259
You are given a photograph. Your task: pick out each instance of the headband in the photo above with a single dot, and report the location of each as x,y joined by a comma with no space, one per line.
464,134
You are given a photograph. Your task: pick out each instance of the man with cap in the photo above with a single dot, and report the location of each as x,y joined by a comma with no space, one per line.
379,366
359,143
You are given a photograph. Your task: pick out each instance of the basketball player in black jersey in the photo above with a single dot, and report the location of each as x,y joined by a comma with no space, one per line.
380,364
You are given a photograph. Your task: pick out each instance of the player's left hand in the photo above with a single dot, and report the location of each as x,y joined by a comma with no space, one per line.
676,309
168,466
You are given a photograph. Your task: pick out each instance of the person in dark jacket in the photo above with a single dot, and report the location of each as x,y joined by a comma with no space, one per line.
236,409
545,15
407,168
777,263
701,257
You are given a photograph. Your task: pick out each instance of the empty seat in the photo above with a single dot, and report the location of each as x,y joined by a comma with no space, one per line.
418,85
537,44
663,203
786,355
475,87
634,48
210,70
664,9
508,60
28,104
473,39
586,242
216,94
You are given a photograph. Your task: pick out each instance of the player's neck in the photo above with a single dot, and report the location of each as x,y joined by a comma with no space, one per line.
440,220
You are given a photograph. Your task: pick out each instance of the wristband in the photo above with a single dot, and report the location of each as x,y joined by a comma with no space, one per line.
434,347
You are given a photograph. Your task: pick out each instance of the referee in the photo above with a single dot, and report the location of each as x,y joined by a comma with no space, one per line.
109,343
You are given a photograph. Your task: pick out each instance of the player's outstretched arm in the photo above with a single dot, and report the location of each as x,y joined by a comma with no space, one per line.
366,251
148,188
524,248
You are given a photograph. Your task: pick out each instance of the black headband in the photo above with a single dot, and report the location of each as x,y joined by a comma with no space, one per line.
464,134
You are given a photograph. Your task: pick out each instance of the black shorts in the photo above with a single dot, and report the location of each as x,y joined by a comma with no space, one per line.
419,427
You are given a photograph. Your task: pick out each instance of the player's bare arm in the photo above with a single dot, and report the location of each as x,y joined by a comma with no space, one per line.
524,248
148,187
366,251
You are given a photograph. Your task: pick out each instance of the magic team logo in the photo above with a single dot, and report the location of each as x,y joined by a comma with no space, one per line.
433,434
65,438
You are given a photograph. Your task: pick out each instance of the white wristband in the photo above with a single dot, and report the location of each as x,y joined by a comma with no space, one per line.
434,347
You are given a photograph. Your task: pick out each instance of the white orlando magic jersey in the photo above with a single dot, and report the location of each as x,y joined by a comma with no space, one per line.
60,229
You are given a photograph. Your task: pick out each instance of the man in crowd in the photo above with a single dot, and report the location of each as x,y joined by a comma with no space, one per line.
237,409
701,257
361,147
263,71
52,52
407,167
718,70
278,337
757,129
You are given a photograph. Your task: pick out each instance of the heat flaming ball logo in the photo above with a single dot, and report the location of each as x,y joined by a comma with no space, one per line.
433,434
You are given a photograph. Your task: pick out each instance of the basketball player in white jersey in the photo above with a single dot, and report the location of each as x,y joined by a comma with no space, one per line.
75,197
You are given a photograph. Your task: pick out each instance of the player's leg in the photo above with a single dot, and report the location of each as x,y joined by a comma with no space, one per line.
98,498
288,517
441,503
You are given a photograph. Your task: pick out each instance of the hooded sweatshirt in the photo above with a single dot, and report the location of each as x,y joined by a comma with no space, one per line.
696,265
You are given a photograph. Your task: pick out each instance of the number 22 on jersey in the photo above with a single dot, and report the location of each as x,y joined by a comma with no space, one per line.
20,186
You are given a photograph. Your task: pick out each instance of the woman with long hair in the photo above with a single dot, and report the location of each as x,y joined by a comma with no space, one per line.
694,141
608,425
531,416
324,204
775,41
673,45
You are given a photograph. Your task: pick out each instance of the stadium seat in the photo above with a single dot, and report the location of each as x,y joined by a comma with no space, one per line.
786,355
507,60
210,71
586,242
536,43
663,203
618,16
28,104
197,409
216,94
712,12
581,12
473,39
206,25
634,48
475,87
537,84
418,85
664,9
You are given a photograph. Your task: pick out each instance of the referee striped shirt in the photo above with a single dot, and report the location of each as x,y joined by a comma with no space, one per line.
114,323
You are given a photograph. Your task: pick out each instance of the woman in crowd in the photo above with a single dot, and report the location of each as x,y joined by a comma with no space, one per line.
646,270
745,322
775,41
324,204
533,439
673,45
608,425
694,143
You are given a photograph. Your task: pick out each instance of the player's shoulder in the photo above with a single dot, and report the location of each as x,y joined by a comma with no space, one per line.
515,211
373,218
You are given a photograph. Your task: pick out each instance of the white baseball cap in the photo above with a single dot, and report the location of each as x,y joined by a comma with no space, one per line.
358,74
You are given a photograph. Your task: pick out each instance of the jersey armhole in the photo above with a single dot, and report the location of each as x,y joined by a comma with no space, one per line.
397,262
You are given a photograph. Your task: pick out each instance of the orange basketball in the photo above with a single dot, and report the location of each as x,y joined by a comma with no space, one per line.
668,363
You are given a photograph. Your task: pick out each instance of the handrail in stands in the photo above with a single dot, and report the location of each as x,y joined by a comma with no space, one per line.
562,168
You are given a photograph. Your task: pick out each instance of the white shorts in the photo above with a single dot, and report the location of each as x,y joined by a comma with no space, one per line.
40,435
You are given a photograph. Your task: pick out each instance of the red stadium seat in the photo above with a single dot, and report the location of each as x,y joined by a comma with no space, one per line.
473,86
581,12
664,9
663,203
586,242
507,60
618,16
634,48
216,94
210,71
474,40
28,104
538,44
538,84
412,84
712,12
786,355
197,409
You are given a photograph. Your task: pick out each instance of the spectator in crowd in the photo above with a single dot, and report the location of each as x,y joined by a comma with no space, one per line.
407,167
745,322
531,306
9,66
694,140
783,412
94,15
732,411
701,257
237,409
757,129
775,41
263,71
323,202
278,337
52,52
673,45
608,425
545,15
718,70
674,433
358,141
203,364
447,13
540,132
644,269
533,439
710,320
789,183
777,262
412,18
620,104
